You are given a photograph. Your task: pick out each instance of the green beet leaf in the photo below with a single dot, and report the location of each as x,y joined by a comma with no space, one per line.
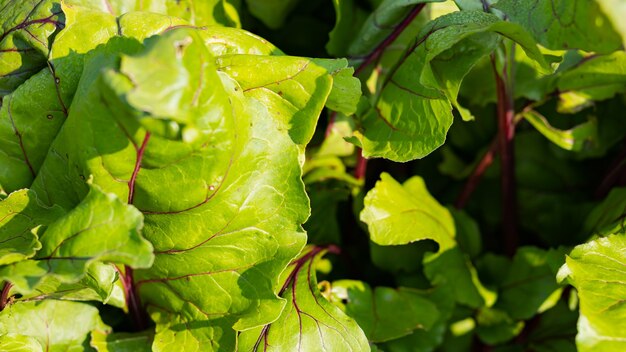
596,270
399,214
565,24
309,321
530,287
412,109
224,143
384,313
597,77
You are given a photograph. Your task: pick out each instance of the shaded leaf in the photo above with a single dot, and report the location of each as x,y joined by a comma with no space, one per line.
349,18
452,268
495,326
121,342
609,216
530,287
384,313
574,139
271,12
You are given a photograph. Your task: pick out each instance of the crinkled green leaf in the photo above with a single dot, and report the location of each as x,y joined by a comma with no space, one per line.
237,180
412,111
21,215
55,325
564,24
288,85
596,270
271,12
26,28
98,284
384,313
309,321
100,228
575,139
399,214
103,341
187,100
346,92
529,287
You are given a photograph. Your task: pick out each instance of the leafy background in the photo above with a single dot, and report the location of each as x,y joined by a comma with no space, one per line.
464,163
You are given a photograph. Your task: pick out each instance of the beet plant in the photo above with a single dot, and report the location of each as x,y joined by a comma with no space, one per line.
167,183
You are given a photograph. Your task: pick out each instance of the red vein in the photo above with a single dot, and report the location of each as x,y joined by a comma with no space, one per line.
4,296
131,183
390,39
19,138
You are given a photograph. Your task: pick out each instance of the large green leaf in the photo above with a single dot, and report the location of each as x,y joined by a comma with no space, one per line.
596,270
399,214
309,321
384,313
412,109
100,229
48,325
222,167
564,24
